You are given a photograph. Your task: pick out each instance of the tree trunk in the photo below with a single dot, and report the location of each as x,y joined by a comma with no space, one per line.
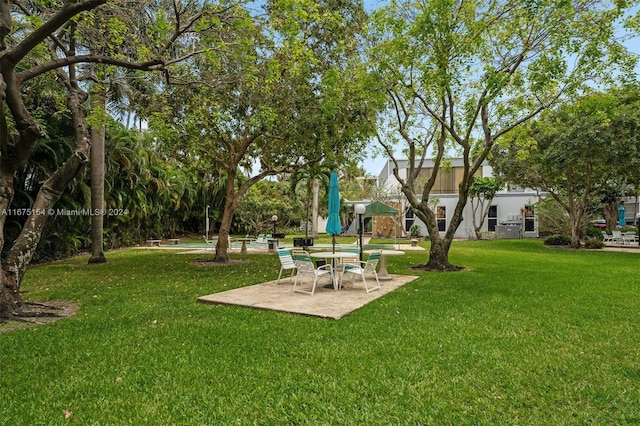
10,299
576,218
21,253
439,256
575,235
439,251
97,194
5,22
222,245
24,247
231,203
611,214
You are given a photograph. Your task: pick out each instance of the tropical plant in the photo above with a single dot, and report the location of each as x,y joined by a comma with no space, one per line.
415,231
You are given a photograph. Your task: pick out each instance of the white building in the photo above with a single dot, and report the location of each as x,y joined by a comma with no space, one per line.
511,214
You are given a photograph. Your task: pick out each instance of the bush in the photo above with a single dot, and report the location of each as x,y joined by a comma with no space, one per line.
415,231
593,232
593,242
629,228
558,240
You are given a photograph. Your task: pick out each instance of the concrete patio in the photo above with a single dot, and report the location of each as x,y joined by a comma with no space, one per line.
325,303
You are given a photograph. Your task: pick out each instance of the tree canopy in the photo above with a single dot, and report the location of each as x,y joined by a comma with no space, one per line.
460,75
49,44
572,152
275,100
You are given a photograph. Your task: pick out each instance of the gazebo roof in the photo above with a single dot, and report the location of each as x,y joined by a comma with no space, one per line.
379,209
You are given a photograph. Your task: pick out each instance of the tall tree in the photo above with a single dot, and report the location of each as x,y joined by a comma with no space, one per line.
274,97
460,75
573,152
47,39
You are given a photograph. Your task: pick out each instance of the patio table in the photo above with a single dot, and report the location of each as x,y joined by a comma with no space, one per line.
337,255
244,241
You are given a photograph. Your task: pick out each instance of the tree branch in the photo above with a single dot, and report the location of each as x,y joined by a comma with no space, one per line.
70,9
152,65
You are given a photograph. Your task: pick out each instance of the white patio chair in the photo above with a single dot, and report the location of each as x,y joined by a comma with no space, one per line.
617,236
286,263
366,268
629,237
307,268
260,242
606,238
210,244
348,263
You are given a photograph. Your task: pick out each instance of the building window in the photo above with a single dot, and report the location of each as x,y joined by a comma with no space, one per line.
408,219
529,221
492,218
442,218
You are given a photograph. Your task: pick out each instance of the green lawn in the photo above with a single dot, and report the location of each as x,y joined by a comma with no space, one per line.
526,335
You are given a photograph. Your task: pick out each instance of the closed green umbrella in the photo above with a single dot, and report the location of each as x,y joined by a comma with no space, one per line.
621,220
334,227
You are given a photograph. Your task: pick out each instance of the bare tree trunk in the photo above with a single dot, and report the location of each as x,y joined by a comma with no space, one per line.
611,214
10,300
97,194
222,245
439,256
24,247
230,206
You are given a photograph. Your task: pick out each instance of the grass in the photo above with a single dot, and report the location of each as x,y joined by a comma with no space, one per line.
526,335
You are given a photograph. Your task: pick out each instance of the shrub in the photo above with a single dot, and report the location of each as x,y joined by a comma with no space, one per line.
593,242
593,232
628,228
558,240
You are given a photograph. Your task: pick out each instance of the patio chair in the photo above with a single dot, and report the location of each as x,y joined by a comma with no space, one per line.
286,263
617,236
606,238
629,237
306,267
348,263
260,242
366,268
210,243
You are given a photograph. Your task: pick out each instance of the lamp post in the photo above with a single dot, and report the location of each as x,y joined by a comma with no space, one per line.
273,243
206,223
359,210
274,219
